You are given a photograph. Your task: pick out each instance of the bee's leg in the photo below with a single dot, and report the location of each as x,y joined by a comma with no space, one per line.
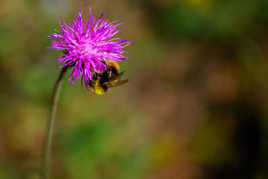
105,87
107,84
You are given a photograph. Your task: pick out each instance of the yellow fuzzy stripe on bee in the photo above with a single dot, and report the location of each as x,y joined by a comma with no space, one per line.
97,89
113,64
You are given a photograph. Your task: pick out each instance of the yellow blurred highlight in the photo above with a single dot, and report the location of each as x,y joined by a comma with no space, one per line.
202,5
211,143
165,151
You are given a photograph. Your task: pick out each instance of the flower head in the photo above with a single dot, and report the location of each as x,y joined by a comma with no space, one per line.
86,46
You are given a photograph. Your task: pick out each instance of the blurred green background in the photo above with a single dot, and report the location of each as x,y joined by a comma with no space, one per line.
195,106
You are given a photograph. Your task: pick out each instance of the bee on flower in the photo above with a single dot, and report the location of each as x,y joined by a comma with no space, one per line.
93,50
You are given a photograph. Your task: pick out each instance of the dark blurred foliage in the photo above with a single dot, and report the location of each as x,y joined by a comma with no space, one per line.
195,106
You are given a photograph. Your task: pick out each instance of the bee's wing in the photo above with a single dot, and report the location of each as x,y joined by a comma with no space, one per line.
114,84
117,77
121,82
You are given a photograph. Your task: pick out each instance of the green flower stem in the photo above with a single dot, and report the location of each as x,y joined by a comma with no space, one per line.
44,173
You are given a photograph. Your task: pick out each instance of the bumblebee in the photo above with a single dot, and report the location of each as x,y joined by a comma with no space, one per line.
111,77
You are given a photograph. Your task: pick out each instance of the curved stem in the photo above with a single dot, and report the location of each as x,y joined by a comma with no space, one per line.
44,173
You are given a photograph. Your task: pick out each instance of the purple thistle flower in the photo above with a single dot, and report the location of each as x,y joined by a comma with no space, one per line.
86,46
